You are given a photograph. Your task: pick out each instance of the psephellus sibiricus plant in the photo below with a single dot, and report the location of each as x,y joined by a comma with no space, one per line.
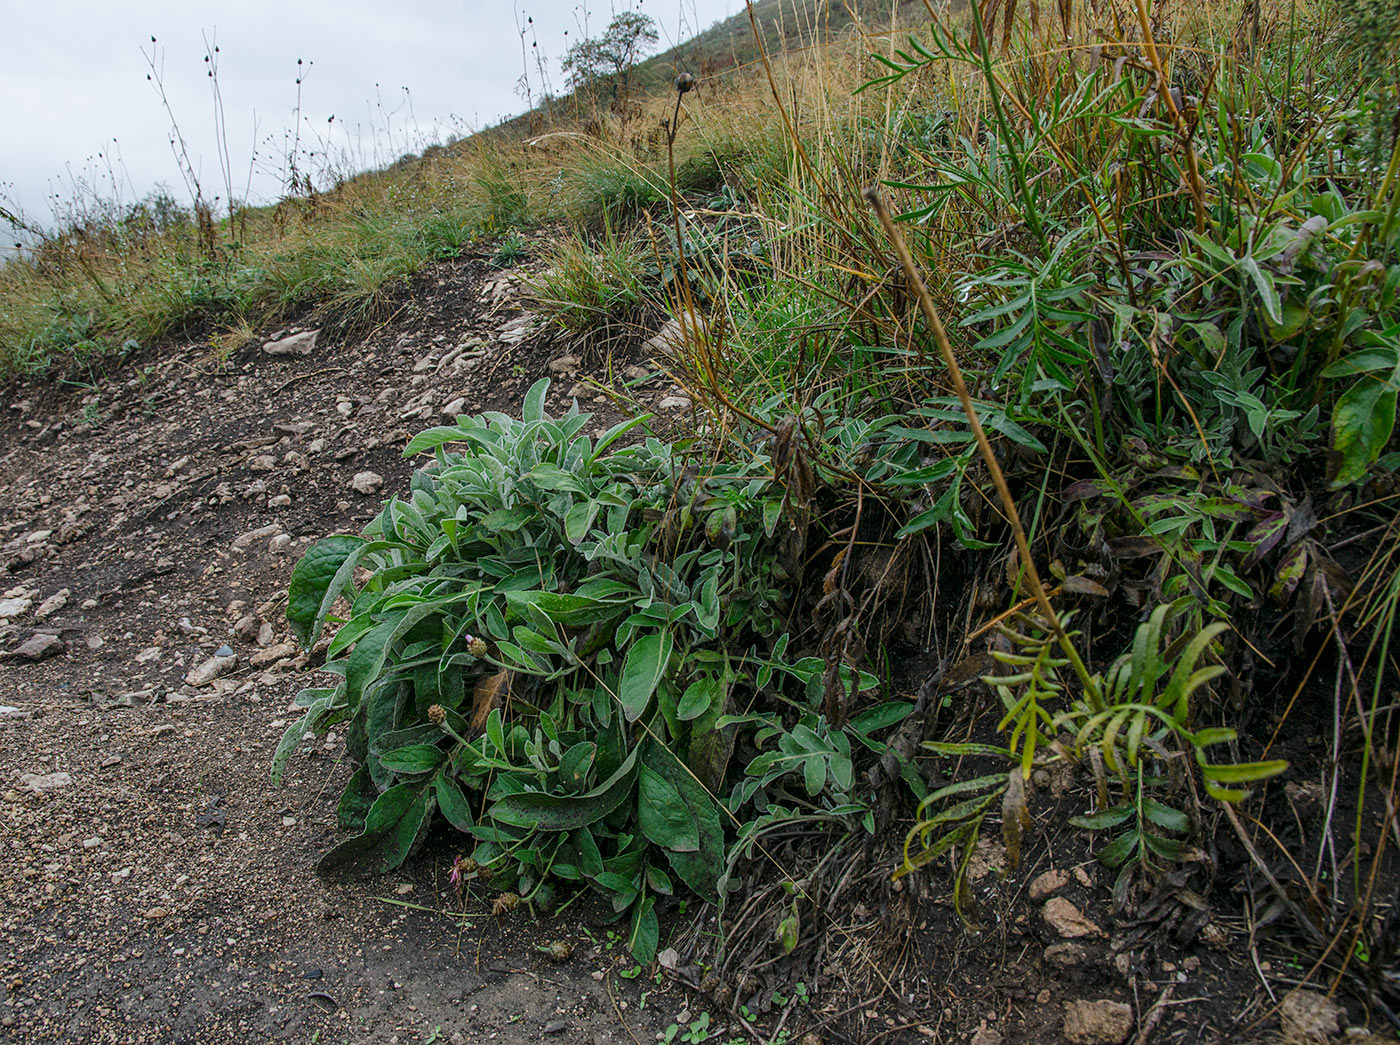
523,661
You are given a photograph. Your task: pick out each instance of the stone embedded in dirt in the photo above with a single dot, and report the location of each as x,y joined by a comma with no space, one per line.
41,782
38,646
366,482
986,1036
302,344
1065,955
279,544
455,407
674,403
516,330
272,653
246,630
244,540
9,711
564,364
162,729
156,914
263,463
1067,920
13,608
1307,1016
215,667
266,633
53,604
1047,883
1098,1022
636,373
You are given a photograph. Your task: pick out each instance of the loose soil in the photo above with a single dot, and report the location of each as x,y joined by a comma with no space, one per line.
155,888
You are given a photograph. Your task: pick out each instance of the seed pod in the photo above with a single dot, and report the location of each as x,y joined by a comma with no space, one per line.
561,950
505,904
684,82
436,715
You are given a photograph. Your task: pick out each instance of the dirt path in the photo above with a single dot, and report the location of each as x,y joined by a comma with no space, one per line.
153,887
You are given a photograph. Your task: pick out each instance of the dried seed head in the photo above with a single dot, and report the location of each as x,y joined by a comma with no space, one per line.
476,647
436,715
561,950
505,904
684,82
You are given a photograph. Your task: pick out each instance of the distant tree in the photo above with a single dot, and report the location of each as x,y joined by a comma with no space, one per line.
613,55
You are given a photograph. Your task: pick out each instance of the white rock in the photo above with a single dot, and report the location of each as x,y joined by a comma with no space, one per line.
455,407
53,604
12,608
211,669
278,545
1067,920
366,482
39,782
271,654
674,403
302,344
39,646
1049,882
261,533
1098,1022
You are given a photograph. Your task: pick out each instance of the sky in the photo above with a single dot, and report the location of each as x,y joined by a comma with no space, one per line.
83,121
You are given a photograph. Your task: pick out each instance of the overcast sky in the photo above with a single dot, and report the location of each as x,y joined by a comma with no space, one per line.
73,82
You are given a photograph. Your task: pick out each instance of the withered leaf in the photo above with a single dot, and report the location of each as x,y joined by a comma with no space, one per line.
491,692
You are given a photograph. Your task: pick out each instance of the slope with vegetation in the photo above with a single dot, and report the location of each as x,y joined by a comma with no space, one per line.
1061,507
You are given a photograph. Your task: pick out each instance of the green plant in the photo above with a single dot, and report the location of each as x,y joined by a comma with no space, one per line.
522,660
1145,706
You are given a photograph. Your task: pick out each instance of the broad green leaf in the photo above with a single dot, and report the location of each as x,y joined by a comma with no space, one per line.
578,519
700,870
533,409
882,716
565,812
698,697
413,758
291,737
317,581
453,802
1167,817
646,663
1122,847
644,932
394,823
1362,422
662,814
356,800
